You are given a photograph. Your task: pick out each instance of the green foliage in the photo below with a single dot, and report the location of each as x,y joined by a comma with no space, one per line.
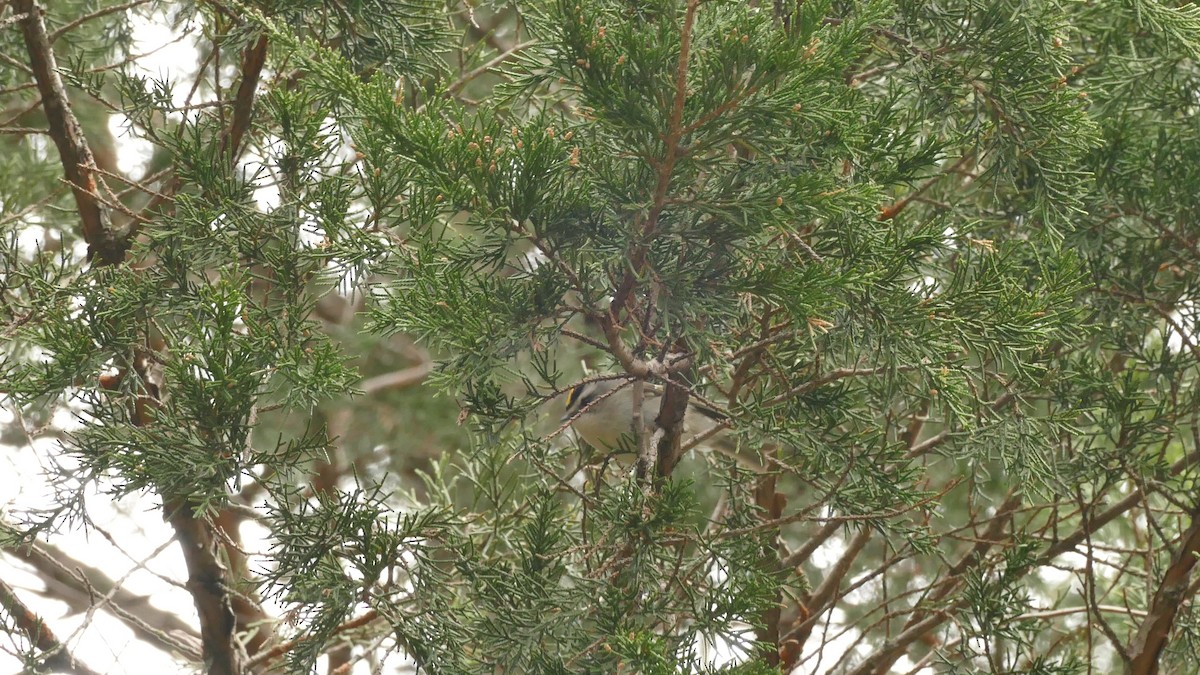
933,264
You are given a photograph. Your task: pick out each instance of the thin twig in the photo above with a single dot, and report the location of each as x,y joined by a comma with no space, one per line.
94,15
399,379
476,72
281,649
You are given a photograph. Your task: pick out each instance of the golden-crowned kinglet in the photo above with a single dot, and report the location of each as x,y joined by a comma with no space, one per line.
601,413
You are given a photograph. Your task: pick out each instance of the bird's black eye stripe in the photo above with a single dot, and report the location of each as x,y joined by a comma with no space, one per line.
580,397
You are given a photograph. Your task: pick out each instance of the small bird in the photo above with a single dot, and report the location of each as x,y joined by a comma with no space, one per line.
601,413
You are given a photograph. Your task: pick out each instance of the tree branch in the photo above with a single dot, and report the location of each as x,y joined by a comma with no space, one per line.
56,656
105,245
282,649
398,379
55,565
1069,542
208,583
664,168
104,11
924,620
824,594
1152,637
253,59
770,504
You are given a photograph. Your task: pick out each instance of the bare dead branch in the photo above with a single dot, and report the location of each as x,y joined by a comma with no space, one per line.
21,131
8,21
5,58
1089,583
